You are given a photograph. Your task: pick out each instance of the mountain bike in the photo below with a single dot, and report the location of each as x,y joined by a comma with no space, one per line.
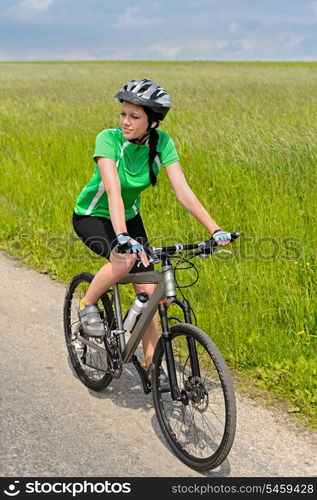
197,413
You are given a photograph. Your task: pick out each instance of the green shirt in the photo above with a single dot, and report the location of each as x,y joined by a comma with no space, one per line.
132,162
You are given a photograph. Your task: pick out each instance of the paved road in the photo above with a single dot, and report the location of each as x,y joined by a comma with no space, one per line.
52,425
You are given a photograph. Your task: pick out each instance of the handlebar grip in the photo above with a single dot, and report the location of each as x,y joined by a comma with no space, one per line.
235,235
120,249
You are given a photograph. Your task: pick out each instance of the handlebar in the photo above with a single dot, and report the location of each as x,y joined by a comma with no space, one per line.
203,247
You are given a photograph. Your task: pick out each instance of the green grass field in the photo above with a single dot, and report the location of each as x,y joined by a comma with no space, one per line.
247,136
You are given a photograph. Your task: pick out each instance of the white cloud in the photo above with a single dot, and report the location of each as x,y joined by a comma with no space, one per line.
120,55
6,55
234,27
293,41
133,17
313,7
35,4
207,44
201,47
167,49
181,29
28,10
54,54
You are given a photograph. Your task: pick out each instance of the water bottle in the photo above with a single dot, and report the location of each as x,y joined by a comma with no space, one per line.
140,302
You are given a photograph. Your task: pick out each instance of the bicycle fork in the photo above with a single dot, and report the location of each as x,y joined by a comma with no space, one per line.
168,349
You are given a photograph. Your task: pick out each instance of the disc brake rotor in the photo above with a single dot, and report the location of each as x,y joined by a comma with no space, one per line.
197,393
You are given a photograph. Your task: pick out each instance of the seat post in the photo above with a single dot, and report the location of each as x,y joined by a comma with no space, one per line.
118,311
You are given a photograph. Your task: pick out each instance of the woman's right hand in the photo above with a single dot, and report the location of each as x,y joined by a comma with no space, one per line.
126,244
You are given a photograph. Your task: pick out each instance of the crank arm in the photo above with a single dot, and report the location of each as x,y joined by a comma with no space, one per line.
93,345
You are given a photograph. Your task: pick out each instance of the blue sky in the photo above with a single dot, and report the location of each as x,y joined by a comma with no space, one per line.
229,30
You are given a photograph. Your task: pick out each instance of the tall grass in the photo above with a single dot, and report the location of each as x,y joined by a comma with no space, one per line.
246,134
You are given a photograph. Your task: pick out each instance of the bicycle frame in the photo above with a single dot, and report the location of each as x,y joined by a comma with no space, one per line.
165,288
164,278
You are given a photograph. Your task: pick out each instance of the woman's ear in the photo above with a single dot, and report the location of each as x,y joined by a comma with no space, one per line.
153,124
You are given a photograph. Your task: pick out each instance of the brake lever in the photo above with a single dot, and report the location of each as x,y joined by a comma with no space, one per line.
221,251
153,258
203,254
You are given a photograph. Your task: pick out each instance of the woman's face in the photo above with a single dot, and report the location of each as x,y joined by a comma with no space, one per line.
133,120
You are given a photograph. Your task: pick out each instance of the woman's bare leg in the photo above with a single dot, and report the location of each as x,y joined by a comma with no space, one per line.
151,335
110,273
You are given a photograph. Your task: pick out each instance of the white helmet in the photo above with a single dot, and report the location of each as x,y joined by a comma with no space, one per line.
146,93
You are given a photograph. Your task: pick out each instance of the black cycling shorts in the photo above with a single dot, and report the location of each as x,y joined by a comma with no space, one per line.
97,233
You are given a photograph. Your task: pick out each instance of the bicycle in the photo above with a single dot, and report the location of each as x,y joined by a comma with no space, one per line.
197,413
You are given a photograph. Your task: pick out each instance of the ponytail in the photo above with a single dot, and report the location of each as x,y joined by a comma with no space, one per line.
153,140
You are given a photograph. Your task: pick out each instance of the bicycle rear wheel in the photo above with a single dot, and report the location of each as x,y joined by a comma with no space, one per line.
90,365
200,429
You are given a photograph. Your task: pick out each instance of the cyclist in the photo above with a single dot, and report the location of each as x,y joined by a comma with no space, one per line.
107,211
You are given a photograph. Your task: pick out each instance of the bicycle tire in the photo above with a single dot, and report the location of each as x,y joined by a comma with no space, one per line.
91,366
200,432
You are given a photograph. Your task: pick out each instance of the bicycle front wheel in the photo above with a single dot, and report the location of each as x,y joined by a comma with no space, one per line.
200,428
90,365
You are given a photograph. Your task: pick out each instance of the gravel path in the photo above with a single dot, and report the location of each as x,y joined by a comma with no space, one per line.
52,425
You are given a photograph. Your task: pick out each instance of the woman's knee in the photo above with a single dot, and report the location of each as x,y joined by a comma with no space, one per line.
144,288
122,263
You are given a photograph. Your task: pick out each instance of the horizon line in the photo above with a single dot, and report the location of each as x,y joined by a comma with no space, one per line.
158,61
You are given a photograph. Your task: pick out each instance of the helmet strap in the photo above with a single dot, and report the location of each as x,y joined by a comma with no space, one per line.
143,139
140,140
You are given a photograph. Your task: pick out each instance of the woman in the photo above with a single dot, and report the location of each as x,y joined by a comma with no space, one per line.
127,161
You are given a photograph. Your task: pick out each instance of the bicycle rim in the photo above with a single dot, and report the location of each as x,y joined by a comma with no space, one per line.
201,428
89,364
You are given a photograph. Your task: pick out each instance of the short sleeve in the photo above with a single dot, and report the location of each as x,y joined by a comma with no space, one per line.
105,145
168,153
